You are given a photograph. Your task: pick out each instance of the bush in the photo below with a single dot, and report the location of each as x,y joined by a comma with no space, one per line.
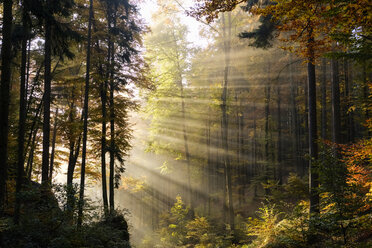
44,224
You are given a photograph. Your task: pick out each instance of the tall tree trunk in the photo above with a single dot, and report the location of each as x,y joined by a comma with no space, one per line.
346,101
112,147
35,121
52,154
85,113
104,88
72,144
47,93
254,148
208,172
280,169
324,100
313,136
70,177
103,145
22,120
6,58
305,143
336,117
242,175
365,89
35,82
28,67
267,115
73,157
296,141
349,98
31,152
186,145
112,117
228,179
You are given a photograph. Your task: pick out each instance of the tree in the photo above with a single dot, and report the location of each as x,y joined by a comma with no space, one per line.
303,19
169,73
22,115
85,116
57,34
6,58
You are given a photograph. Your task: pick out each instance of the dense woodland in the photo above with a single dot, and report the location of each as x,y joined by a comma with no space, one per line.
116,131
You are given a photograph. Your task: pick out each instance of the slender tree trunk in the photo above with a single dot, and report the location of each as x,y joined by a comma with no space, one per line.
336,117
295,123
70,176
242,175
104,87
103,145
186,145
267,114
245,167
35,82
6,58
305,143
72,144
349,98
112,119
73,157
365,89
22,120
324,100
209,161
280,169
28,68
346,101
112,147
227,40
254,147
31,152
47,93
85,113
313,136
52,154
35,121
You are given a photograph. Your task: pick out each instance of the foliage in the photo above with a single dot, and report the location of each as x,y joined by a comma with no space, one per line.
174,226
314,25
180,229
44,224
345,206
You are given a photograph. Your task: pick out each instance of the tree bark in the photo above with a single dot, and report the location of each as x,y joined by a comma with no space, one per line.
112,147
22,120
47,93
103,145
71,164
280,169
336,117
227,169
324,100
31,152
267,114
6,58
85,114
52,154
254,148
313,136
208,171
112,114
348,96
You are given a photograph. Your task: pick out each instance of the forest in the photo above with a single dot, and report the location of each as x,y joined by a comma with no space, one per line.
186,123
